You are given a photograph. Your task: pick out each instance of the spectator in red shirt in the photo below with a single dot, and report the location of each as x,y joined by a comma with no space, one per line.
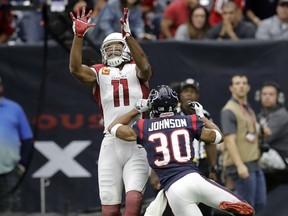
216,11
6,18
176,14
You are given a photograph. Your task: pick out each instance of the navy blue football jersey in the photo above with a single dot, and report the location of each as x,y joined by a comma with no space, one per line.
169,145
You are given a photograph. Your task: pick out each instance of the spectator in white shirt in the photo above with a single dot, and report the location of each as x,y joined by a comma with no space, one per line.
275,27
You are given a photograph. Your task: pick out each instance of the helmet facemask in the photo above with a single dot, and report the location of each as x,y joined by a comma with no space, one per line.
114,50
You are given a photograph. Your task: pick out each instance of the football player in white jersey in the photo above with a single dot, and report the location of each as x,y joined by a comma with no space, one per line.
118,83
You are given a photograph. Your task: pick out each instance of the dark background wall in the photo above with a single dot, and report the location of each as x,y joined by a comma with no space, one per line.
67,115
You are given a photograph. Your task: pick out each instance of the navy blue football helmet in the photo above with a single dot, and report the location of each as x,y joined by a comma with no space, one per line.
162,99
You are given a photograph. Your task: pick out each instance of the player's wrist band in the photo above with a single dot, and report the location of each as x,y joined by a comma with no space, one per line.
115,128
218,137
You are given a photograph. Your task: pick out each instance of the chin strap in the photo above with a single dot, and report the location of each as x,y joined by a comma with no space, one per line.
115,61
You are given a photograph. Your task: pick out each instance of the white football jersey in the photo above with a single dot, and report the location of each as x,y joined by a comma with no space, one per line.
117,91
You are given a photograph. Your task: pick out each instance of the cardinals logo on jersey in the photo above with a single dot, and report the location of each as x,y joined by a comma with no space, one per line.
106,71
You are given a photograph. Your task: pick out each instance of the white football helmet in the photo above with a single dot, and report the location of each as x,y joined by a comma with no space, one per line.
115,59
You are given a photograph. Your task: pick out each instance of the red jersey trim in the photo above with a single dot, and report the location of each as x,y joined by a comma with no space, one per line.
194,122
96,92
141,126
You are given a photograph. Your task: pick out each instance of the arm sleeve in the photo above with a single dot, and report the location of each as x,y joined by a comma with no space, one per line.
26,151
214,31
138,129
169,13
250,31
277,124
181,33
197,125
263,30
228,122
24,128
26,138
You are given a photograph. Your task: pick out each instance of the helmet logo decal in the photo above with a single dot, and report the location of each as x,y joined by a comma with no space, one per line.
163,99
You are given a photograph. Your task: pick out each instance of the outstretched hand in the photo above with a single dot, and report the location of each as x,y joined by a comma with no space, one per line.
80,23
125,28
142,105
197,107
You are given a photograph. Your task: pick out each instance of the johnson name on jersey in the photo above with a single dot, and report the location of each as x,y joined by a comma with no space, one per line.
170,142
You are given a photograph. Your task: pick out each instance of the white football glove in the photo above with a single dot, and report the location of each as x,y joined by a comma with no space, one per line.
125,28
142,105
197,107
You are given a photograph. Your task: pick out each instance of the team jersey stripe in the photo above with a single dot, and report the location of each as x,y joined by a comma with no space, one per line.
97,97
145,90
194,122
96,92
140,126
145,93
97,67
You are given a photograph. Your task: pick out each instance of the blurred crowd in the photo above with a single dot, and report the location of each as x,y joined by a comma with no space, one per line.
25,21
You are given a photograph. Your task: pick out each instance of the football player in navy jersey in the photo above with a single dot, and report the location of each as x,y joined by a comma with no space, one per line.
167,139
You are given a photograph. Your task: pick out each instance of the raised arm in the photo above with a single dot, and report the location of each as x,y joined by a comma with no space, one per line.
144,70
81,72
120,129
210,132
250,14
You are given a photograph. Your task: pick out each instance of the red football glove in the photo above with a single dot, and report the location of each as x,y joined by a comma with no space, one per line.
125,28
80,24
